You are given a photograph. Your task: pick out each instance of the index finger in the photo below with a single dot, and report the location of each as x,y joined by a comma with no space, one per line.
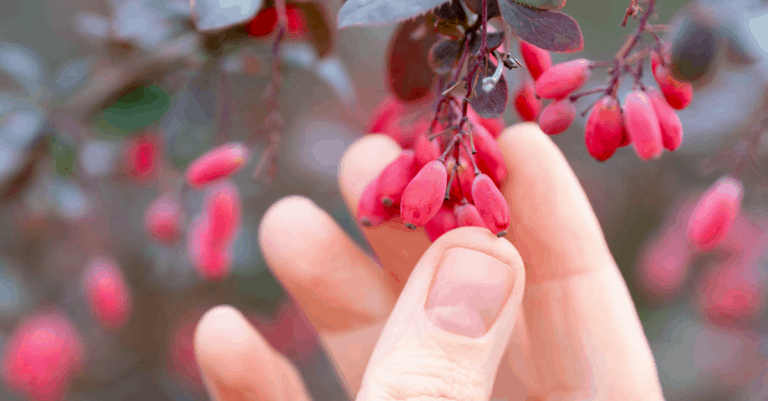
583,332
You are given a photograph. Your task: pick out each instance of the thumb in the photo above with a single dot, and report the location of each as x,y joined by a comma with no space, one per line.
451,325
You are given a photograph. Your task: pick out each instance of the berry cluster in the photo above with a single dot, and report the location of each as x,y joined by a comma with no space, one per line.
438,182
647,118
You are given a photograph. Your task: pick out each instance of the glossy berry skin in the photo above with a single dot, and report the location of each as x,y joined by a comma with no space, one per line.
494,126
443,222
216,164
42,356
425,150
142,158
537,60
669,122
222,211
678,93
491,205
528,107
468,216
370,210
424,195
557,116
109,297
642,125
604,130
163,219
395,177
562,79
713,216
488,156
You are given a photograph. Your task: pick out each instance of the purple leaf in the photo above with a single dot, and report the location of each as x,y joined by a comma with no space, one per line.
383,12
410,76
549,30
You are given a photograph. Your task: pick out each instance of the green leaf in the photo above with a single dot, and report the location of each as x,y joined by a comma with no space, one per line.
136,107
549,30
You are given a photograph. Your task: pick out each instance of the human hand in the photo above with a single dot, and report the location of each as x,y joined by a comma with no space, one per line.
544,311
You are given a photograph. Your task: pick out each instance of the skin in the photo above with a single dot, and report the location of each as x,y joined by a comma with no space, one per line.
566,327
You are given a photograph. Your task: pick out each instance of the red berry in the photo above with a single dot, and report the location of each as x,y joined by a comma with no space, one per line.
42,356
222,212
216,164
142,157
163,219
561,79
395,177
426,150
109,297
604,130
678,93
536,59
642,125
424,194
385,115
715,213
491,205
669,122
181,354
296,21
731,296
263,24
468,216
212,261
494,125
370,210
665,263
443,222
557,116
488,156
662,58
527,105
625,140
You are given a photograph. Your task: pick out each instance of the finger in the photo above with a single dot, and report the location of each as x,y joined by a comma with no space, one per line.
583,330
451,324
238,364
402,248
334,282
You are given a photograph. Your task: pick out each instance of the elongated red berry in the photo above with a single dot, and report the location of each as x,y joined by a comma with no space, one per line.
715,213
625,140
210,257
528,107
162,220
216,164
604,130
109,297
468,216
222,211
370,211
557,116
296,20
494,125
424,195
662,58
396,176
678,93
425,150
491,205
488,156
642,125
263,24
142,158
443,222
536,59
385,115
669,122
562,79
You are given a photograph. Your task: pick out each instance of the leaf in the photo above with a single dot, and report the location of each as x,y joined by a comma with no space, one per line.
693,50
319,30
544,4
444,55
489,104
410,76
495,39
383,12
214,15
493,7
549,30
452,11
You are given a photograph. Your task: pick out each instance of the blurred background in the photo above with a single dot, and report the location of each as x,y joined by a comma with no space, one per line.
103,103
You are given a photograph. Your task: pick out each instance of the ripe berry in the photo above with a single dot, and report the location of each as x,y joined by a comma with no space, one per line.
491,205
662,58
163,219
494,125
557,116
109,297
222,212
370,210
604,129
715,213
642,125
385,115
181,354
468,216
669,122
216,164
678,93
731,296
211,260
561,79
426,150
296,21
395,177
536,59
488,156
263,24
424,194
443,222
665,263
527,105
142,157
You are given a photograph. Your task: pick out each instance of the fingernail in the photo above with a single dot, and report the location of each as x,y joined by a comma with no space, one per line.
468,292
